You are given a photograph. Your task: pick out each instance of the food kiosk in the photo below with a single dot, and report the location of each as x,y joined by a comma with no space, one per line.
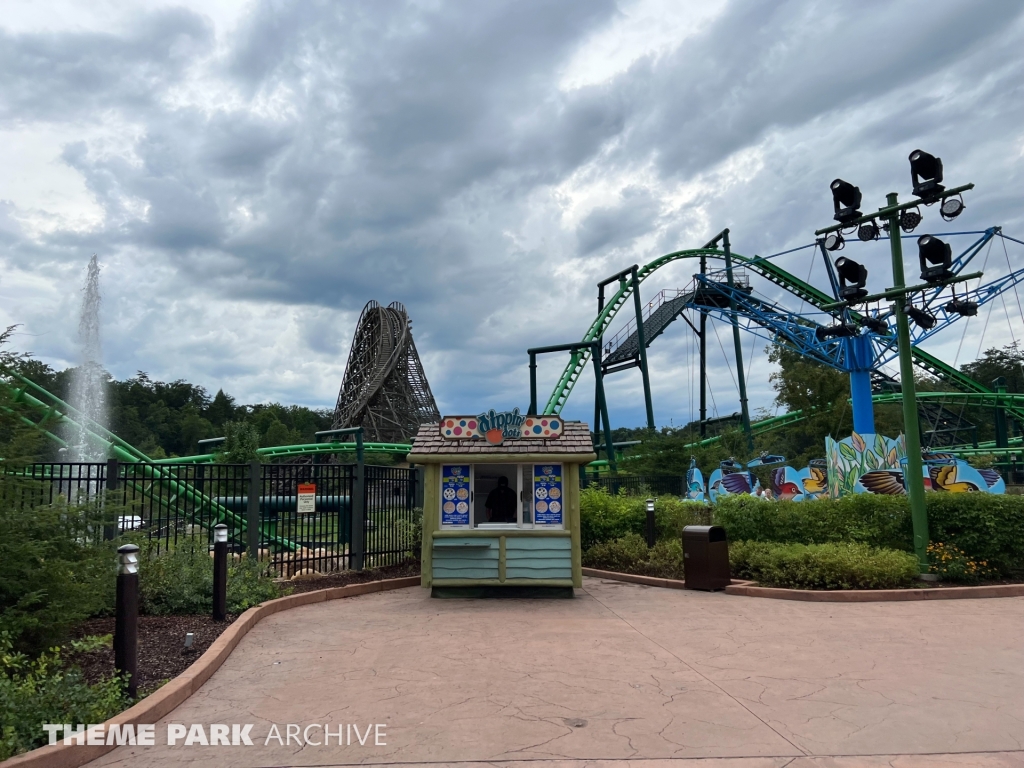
501,504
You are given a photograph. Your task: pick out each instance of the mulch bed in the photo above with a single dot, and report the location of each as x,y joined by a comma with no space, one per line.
162,653
408,568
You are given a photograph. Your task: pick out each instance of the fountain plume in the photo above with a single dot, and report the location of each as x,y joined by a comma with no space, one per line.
88,385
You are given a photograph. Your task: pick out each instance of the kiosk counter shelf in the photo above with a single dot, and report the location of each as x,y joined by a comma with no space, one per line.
502,519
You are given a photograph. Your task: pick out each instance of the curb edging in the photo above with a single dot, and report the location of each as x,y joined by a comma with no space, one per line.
750,589
169,696
876,595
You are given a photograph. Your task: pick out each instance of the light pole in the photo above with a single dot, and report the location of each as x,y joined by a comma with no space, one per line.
895,216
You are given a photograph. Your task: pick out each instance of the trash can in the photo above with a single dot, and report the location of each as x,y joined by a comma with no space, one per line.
705,557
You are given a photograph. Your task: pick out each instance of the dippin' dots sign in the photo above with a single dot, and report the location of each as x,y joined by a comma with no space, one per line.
219,735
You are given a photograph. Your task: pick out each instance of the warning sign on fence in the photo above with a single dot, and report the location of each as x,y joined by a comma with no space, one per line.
307,498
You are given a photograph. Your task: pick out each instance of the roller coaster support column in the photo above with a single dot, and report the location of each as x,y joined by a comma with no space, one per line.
1002,433
358,545
597,356
643,349
912,476
702,336
576,347
860,356
737,344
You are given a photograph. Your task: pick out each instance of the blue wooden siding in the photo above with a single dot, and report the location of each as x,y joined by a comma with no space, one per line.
465,558
538,557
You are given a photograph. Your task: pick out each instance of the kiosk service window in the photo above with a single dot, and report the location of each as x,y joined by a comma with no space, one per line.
501,496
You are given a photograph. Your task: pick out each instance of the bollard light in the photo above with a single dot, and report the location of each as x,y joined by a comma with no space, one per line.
650,523
220,572
128,559
126,617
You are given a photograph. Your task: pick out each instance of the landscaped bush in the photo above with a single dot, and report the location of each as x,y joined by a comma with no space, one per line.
630,554
45,690
984,526
604,517
180,581
822,566
952,564
55,569
880,521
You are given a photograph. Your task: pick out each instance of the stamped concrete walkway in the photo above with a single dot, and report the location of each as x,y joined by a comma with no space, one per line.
660,678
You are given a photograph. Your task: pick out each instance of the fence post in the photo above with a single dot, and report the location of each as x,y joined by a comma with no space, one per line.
126,617
651,533
417,478
220,572
252,510
358,545
111,483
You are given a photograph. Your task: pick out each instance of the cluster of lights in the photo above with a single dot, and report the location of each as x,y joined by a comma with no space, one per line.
934,255
926,174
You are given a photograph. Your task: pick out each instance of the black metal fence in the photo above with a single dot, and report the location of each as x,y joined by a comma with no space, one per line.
638,485
260,503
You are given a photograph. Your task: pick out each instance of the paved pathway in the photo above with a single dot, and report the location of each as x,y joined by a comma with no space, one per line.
659,677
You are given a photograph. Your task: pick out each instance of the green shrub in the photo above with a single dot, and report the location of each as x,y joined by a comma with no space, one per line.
604,517
985,526
45,690
952,564
822,566
180,581
880,521
55,569
630,554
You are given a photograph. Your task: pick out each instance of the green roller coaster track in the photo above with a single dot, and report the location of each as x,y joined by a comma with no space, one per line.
780,277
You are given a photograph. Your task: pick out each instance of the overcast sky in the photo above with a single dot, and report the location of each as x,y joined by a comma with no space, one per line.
250,174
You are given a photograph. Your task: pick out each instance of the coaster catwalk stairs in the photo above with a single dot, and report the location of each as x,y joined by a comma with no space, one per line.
385,390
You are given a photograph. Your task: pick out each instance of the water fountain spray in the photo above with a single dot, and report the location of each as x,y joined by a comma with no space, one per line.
88,386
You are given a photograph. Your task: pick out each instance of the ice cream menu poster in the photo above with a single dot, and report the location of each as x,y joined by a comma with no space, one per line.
455,495
547,494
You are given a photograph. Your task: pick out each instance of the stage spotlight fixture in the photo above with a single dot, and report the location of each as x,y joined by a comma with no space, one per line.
842,330
922,318
951,208
926,173
875,325
846,201
868,231
962,307
834,241
852,279
909,220
934,252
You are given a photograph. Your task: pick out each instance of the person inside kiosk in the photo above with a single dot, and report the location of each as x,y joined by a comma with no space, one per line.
501,503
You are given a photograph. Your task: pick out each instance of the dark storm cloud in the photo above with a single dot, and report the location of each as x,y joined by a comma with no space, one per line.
614,225
330,153
769,65
67,75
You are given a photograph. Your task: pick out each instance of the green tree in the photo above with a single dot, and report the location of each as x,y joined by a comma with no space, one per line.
242,444
1007,363
222,409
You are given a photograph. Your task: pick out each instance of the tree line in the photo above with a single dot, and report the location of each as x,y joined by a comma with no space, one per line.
167,419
